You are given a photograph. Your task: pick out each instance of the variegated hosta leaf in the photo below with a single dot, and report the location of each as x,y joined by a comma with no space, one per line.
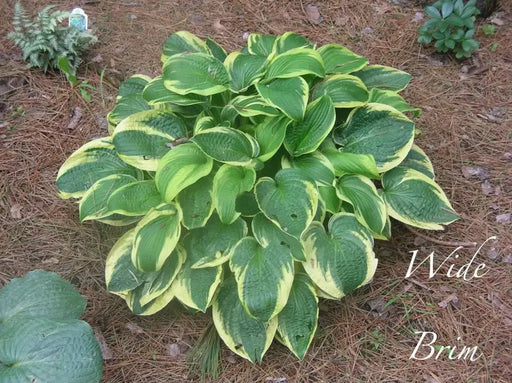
260,45
338,59
384,77
118,220
211,245
158,282
266,232
248,337
417,159
247,205
196,202
296,323
343,259
196,73
264,276
270,136
227,145
351,163
155,237
244,70
344,90
296,62
93,204
180,168
156,93
249,106
228,183
288,41
306,136
133,85
121,276
290,200
142,139
135,198
207,248
93,161
290,95
217,51
369,208
379,130
392,98
415,199
330,198
183,42
132,300
126,106
315,165
321,211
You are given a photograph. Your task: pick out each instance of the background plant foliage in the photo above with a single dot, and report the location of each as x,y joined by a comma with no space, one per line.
451,25
41,338
258,181
43,41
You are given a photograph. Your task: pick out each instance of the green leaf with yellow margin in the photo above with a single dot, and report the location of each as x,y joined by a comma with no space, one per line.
379,130
418,160
415,199
155,93
290,200
93,204
369,208
248,337
183,42
392,98
227,145
297,322
345,91
266,232
315,165
342,259
290,95
196,202
180,168
93,161
155,237
296,62
142,139
135,198
338,59
228,183
383,77
212,244
270,136
305,136
244,70
196,73
270,268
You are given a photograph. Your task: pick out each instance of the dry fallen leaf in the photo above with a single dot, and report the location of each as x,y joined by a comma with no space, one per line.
173,350
16,211
497,21
52,260
487,188
217,25
507,259
312,14
475,172
452,298
107,354
418,16
503,218
134,328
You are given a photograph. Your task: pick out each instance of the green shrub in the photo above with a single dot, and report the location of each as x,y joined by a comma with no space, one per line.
43,41
452,26
258,181
41,338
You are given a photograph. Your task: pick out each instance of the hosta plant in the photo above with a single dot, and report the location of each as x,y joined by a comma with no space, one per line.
254,182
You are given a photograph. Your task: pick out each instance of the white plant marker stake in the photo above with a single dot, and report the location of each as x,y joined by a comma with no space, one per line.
78,19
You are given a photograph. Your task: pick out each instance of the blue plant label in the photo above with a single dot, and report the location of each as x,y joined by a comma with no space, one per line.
78,19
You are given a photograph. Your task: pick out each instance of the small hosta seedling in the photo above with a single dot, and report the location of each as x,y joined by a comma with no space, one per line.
257,180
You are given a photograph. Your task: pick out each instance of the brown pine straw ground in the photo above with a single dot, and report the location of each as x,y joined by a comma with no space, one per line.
357,340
